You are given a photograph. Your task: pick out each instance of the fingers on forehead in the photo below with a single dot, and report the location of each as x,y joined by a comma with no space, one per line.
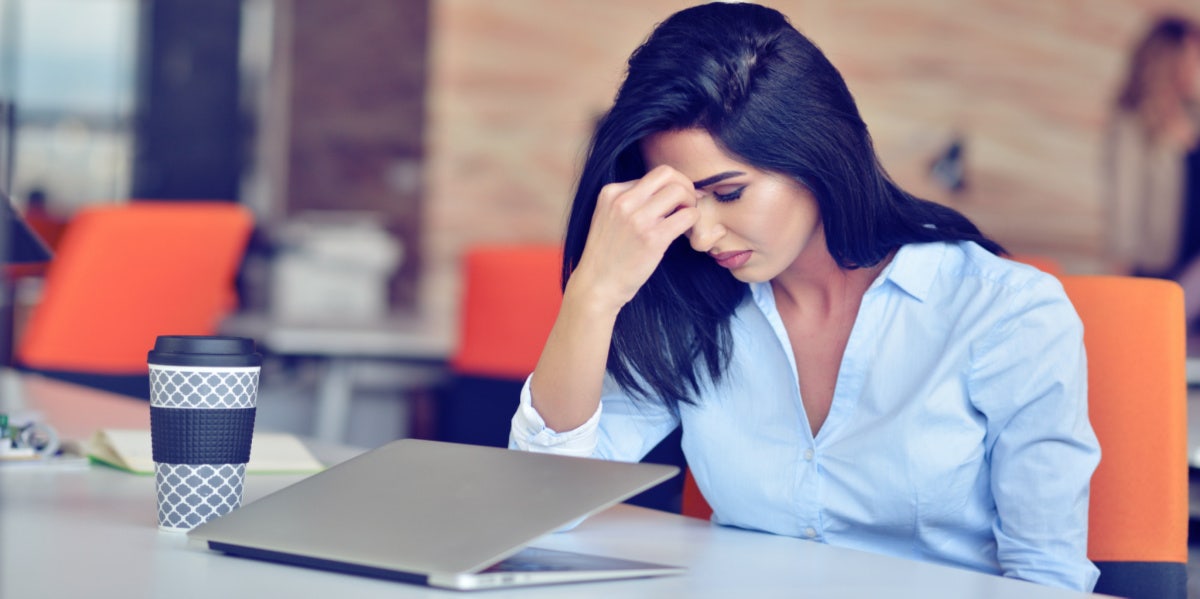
662,174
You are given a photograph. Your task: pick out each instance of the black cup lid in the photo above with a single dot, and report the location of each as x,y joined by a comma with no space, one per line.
203,350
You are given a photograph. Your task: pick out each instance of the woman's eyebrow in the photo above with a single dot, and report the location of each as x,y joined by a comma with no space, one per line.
705,182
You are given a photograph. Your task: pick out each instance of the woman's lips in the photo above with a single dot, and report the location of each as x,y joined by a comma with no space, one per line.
732,260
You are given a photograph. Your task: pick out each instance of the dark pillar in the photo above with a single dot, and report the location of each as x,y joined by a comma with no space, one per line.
187,139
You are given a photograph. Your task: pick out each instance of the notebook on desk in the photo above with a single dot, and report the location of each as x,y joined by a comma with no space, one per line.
442,514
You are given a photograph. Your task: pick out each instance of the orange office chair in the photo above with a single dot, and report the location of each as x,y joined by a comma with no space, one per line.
1135,337
1046,264
124,274
694,503
510,298
1137,399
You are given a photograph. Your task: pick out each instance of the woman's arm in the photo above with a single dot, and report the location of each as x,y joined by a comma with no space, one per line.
632,226
1029,379
622,429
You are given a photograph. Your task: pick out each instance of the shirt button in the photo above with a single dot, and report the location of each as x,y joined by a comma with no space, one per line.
808,455
810,532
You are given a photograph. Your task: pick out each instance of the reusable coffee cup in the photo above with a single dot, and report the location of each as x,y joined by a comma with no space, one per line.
203,396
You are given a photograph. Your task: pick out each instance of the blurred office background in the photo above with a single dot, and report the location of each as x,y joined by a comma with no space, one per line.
455,122
396,135
438,125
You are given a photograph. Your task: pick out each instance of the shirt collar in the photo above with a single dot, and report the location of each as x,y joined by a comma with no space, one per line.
913,269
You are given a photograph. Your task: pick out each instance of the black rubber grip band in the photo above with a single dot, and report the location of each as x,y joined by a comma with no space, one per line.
189,436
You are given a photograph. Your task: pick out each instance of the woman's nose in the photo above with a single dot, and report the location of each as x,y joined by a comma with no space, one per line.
708,229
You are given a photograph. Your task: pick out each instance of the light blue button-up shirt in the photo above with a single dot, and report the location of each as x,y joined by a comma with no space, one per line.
958,432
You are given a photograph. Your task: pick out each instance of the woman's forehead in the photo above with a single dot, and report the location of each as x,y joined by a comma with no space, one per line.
689,149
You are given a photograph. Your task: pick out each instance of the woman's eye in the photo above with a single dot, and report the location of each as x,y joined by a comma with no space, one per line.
728,197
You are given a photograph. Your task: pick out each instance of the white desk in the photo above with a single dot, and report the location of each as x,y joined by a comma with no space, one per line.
92,533
416,348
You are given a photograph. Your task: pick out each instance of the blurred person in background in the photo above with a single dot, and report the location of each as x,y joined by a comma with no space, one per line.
1152,168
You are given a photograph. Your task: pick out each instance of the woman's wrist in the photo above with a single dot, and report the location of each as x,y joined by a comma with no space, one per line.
589,300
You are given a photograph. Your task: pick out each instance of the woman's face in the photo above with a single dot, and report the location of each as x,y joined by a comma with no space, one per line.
753,222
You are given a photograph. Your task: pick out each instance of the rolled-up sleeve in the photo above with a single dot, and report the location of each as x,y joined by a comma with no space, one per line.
622,428
530,433
1029,378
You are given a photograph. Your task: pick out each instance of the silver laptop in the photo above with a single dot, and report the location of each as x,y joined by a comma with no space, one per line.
443,514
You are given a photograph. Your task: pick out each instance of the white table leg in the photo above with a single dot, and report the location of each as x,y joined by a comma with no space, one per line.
333,401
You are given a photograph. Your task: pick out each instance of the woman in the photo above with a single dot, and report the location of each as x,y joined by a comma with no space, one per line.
1152,168
849,364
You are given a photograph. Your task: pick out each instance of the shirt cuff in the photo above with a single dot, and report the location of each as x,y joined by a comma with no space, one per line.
530,433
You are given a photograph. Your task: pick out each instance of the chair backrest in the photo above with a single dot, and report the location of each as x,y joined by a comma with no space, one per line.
510,298
124,274
1042,262
1134,335
694,504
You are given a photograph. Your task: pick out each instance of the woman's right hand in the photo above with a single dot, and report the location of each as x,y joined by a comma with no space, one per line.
633,225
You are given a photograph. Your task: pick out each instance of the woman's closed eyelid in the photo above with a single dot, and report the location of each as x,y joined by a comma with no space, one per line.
728,196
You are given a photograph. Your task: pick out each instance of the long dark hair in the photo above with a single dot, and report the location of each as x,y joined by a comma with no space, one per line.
768,96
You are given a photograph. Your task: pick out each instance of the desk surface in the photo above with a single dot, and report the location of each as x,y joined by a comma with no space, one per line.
91,532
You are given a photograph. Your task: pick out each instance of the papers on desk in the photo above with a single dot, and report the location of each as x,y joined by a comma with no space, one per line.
270,453
69,456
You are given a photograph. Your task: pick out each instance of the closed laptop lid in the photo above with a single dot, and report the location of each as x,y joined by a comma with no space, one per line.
428,507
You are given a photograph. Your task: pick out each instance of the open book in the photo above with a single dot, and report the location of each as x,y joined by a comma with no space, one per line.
270,453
